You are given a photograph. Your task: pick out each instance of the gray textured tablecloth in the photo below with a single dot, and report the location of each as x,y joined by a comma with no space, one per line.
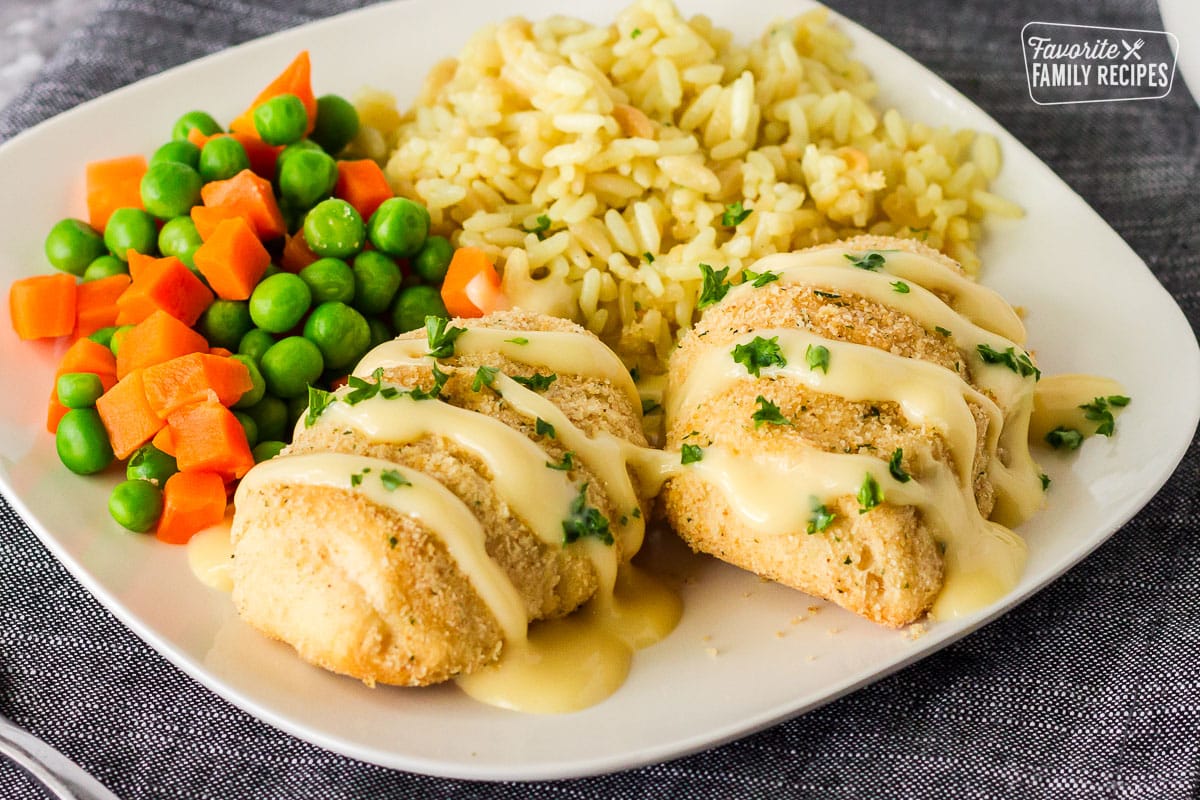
1089,689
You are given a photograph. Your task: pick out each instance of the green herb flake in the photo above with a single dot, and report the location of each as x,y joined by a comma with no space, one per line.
393,480
900,286
821,519
870,494
439,383
441,338
636,32
759,353
1045,481
1019,363
543,428
648,257
637,513
356,478
735,214
318,401
393,541
517,340
895,468
650,406
817,357
847,561
827,295
870,260
768,412
484,376
567,463
690,454
1100,411
362,389
537,381
585,520
759,279
1064,438
635,374
942,331
714,288
543,225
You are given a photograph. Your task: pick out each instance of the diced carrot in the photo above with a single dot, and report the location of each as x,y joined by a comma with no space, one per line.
232,259
83,355
363,185
192,501
127,415
112,184
163,284
164,441
194,378
138,262
96,304
158,338
207,218
296,253
295,79
209,437
43,306
251,196
472,287
223,352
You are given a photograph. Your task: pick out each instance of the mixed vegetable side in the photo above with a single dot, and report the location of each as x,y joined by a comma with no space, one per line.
214,283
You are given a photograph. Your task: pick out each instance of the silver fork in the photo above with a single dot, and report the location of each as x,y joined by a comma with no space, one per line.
61,776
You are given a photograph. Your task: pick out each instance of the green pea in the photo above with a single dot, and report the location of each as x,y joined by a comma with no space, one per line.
304,145
225,322
249,427
266,450
334,229
254,344
222,158
114,341
180,238
130,229
194,119
380,332
78,389
179,150
376,280
307,177
329,279
103,336
434,259
337,123
414,304
271,416
290,366
136,505
72,245
82,442
170,189
148,463
258,386
105,267
281,120
399,227
279,302
339,332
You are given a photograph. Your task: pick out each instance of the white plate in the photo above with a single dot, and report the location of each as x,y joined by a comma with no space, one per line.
1092,307
1182,18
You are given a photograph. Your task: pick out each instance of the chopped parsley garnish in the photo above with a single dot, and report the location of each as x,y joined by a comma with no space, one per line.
817,357
393,541
735,214
441,338
821,519
870,260
759,353
636,32
361,389
894,466
649,258
1100,410
650,406
1019,363
393,480
759,279
567,463
942,331
517,340
714,287
690,454
537,381
543,225
637,513
847,561
1045,481
543,428
635,374
768,412
900,286
356,478
585,520
318,401
1064,438
439,383
484,376
870,494
827,295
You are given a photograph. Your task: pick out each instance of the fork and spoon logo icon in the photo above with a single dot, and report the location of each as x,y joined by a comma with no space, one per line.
1132,49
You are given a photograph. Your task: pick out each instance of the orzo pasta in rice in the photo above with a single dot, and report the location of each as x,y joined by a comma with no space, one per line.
601,166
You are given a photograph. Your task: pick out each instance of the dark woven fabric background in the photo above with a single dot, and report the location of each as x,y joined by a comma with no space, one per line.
1091,689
